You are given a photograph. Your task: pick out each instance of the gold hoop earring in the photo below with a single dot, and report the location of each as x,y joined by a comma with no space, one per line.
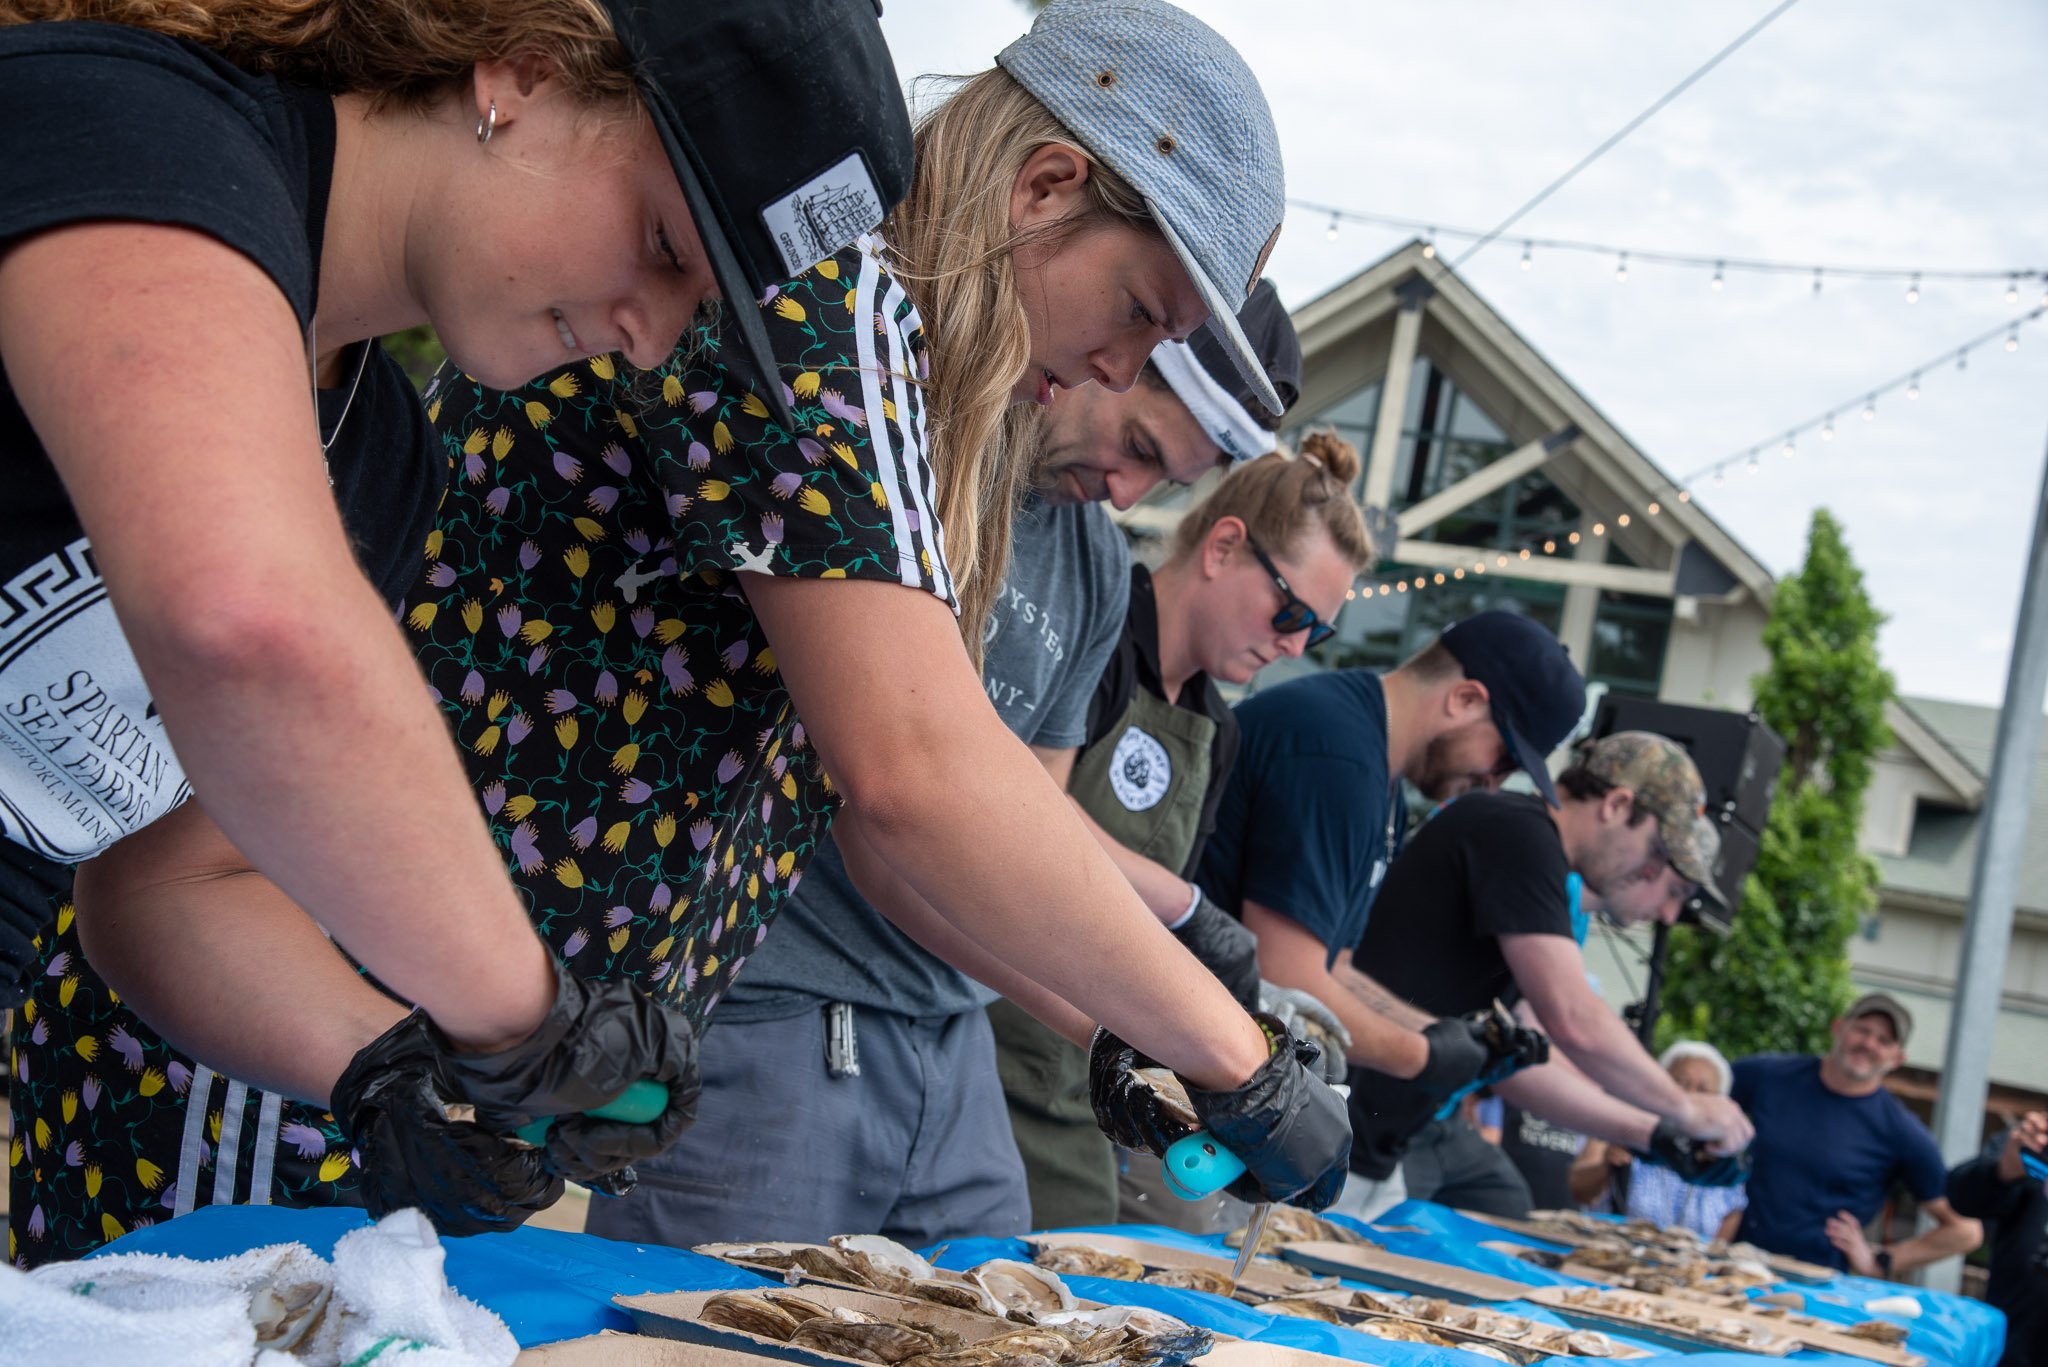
487,125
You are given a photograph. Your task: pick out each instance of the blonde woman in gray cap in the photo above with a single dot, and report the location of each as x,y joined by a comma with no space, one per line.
680,622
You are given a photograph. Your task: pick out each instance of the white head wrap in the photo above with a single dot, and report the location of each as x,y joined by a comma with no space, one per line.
1215,408
1700,1049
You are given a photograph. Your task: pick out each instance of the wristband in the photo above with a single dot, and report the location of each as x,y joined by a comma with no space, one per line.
1194,905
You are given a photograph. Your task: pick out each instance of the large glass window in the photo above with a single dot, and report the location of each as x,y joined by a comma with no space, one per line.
1630,634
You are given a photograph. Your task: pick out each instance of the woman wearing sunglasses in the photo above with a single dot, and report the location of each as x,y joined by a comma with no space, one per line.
1257,571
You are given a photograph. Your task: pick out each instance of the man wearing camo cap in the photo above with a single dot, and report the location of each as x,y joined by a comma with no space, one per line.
1475,910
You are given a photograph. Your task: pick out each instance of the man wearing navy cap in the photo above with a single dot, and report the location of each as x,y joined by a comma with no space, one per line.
1312,815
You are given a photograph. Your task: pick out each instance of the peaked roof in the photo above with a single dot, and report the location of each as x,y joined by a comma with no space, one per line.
1941,858
1464,336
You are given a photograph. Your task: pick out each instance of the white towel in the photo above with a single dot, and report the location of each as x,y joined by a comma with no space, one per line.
389,1297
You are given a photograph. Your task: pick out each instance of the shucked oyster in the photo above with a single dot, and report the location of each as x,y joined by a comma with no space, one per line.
882,1260
1079,1260
830,1265
1291,1225
1023,1290
960,1295
1301,1310
1191,1279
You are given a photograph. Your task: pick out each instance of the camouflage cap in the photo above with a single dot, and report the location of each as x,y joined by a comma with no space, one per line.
1666,784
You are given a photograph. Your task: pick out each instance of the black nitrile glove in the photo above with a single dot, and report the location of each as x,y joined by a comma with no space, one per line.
1291,1130
1128,1110
1673,1148
599,1038
1457,1055
464,1178
1510,1045
1225,948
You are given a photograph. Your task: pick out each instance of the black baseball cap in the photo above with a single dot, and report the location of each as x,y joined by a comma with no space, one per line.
1265,324
1537,696
787,129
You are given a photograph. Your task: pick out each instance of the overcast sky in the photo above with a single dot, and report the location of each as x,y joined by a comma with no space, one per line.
1850,131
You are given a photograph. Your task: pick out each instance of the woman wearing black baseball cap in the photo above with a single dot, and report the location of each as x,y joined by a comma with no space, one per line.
217,484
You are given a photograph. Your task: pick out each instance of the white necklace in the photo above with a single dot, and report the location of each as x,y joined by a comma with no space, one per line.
327,439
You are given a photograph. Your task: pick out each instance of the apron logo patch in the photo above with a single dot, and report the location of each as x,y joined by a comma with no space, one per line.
1139,771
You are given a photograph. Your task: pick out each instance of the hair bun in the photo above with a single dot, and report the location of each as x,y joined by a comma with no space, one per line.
1331,452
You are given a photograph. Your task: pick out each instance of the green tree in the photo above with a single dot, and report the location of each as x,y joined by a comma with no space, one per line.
419,351
1776,981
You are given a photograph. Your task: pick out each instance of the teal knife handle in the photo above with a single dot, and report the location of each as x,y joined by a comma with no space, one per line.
640,1103
1197,1165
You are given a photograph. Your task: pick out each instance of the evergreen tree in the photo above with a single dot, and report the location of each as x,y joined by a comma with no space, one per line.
1783,974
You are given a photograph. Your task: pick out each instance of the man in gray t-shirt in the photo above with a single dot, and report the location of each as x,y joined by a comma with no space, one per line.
850,1082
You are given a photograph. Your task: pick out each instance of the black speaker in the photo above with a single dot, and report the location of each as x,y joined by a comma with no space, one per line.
1739,759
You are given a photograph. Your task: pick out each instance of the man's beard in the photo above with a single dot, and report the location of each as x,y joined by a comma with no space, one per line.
1438,781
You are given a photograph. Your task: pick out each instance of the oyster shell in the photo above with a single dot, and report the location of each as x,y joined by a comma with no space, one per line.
283,1315
750,1313
868,1341
1291,1224
1878,1331
798,1306
958,1295
1079,1260
1172,1094
829,1264
765,1256
1486,1350
1301,1310
1588,1343
1023,1291
977,1356
1191,1279
879,1258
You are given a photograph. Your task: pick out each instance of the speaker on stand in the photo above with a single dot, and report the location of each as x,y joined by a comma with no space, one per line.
1739,759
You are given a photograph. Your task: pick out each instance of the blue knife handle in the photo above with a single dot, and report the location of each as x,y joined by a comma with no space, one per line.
1197,1165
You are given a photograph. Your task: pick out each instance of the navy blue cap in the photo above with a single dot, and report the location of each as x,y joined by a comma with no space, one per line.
1537,696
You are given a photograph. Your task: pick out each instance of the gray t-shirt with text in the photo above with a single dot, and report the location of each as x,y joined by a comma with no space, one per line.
1048,640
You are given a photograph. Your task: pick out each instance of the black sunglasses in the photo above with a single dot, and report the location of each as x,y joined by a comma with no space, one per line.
1294,615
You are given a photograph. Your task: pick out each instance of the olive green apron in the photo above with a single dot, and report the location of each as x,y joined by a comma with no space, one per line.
1144,783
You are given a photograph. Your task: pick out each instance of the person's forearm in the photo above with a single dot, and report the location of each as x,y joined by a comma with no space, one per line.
1601,1045
1165,893
915,917
281,1010
1588,1177
1945,1240
1565,1097
1362,986
1377,1042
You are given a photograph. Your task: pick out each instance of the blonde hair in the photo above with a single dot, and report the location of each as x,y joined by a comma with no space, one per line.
953,248
402,53
1280,495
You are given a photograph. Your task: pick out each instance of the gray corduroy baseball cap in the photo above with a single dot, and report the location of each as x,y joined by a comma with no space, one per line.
1163,101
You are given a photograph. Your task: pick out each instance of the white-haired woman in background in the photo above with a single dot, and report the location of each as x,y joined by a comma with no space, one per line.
1609,1177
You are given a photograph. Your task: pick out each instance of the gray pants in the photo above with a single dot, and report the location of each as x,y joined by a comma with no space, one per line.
916,1147
1449,1163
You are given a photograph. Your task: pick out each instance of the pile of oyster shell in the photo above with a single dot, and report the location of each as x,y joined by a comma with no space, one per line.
1119,1335
1650,1257
1081,1260
1538,1340
1292,1225
1725,1329
1000,1287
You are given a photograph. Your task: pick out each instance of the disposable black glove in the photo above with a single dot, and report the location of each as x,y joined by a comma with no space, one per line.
1673,1148
1225,948
467,1180
1457,1055
1290,1129
597,1039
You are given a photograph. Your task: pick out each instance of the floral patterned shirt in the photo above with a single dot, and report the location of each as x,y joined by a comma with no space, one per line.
581,622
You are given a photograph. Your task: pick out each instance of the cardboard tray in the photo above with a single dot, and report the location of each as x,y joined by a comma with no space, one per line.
1821,1335
1791,1269
735,1255
1264,1279
1400,1273
613,1349
1552,1298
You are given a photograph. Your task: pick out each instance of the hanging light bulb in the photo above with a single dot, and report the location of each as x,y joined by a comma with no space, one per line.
1550,548
1523,553
1526,261
1401,587
1479,568
1816,279
2012,289
1573,538
1458,573
1963,359
1350,594
1685,495
1653,510
1439,577
1913,289
1752,460
1429,254
1788,450
2012,340
1715,283
1621,267
1599,529
1827,431
1718,481
1331,234
1913,386
1870,408
1419,581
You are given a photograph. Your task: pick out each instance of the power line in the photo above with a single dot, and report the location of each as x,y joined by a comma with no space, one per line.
1666,98
2012,275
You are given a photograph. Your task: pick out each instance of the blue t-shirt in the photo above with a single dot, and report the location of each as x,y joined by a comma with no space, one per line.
1818,1152
1303,827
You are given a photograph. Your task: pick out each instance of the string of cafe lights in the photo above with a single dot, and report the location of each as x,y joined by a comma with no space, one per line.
1502,561
2016,280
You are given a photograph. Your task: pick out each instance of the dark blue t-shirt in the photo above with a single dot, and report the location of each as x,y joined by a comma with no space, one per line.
1303,826
1818,1152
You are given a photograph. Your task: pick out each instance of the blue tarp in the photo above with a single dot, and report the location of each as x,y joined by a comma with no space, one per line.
548,1285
